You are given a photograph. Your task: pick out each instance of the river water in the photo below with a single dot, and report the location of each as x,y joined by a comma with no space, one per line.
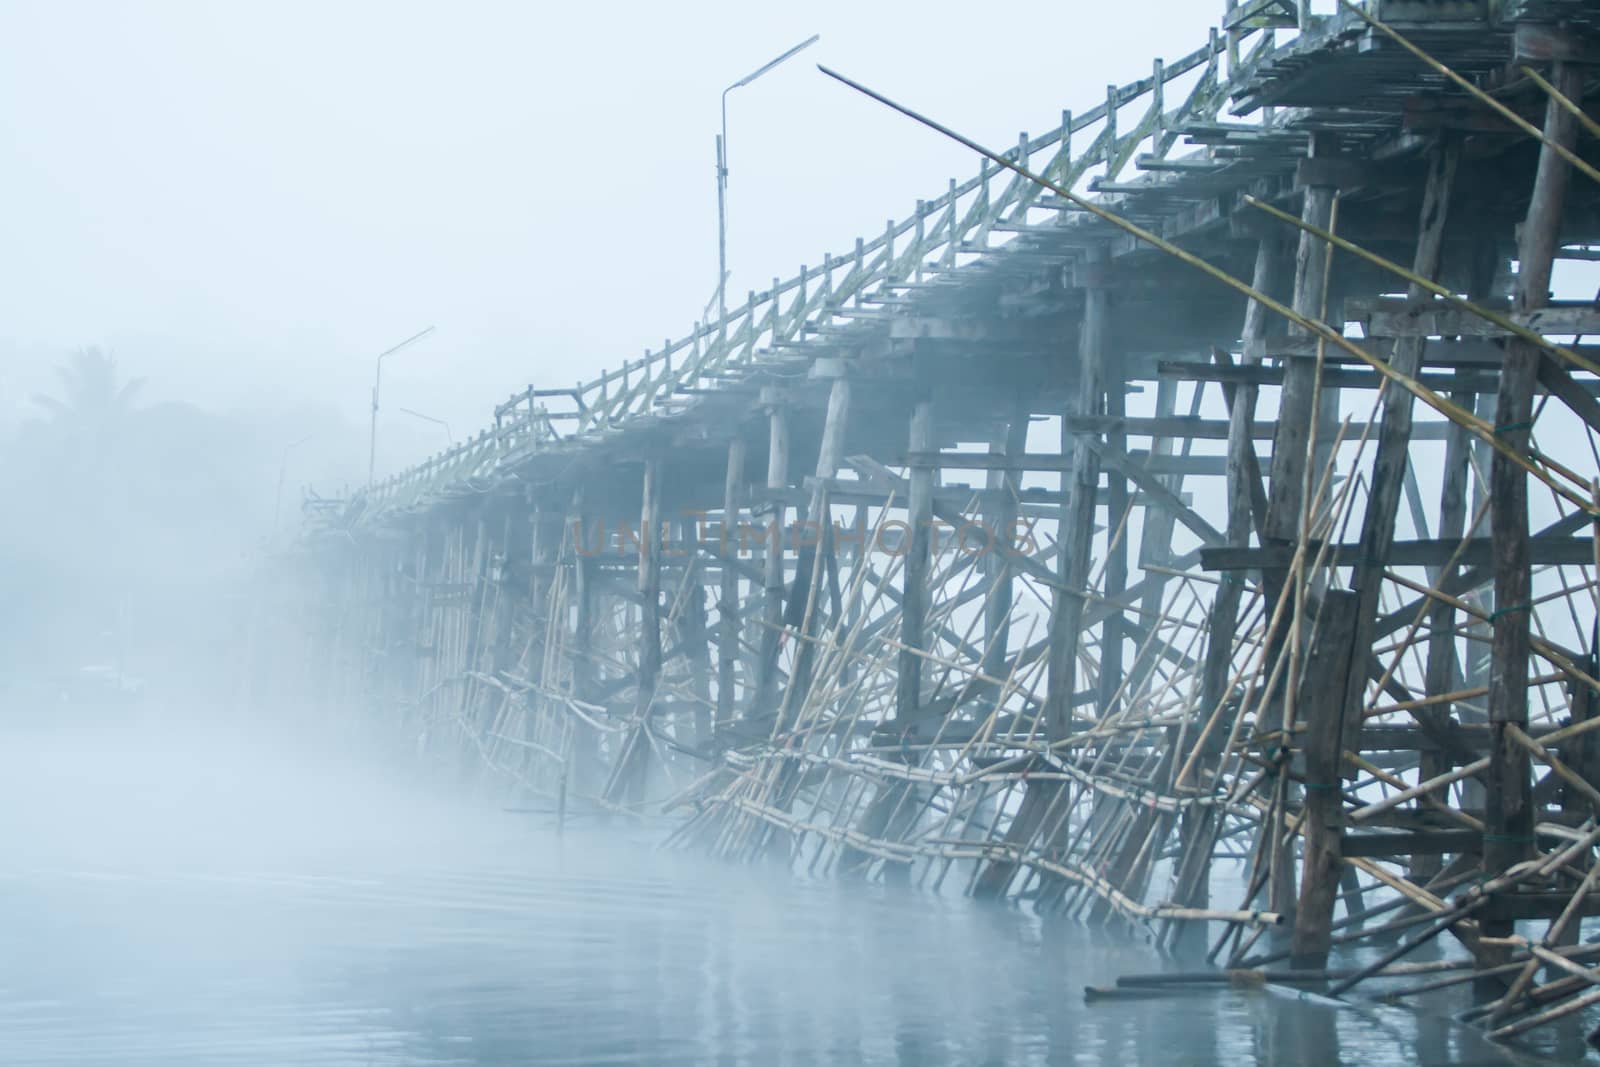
188,896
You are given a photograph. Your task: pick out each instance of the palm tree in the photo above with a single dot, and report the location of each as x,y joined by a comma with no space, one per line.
93,399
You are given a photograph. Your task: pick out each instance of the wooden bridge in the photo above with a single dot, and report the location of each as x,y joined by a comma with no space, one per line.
1218,492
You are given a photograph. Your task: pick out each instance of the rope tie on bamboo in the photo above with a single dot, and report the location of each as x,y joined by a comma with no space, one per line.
1510,839
1494,615
1512,427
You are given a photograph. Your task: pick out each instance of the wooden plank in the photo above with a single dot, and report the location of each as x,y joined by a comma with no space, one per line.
1433,318
1412,843
1529,905
1428,552
1332,375
1201,429
1158,465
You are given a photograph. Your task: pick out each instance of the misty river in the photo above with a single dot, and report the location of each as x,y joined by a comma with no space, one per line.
182,894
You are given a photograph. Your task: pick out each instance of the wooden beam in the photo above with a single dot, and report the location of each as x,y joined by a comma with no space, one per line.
914,582
1509,835
1323,705
763,701
728,605
1430,552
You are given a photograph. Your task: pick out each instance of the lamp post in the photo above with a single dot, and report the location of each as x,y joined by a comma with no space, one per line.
377,381
283,467
448,436
722,171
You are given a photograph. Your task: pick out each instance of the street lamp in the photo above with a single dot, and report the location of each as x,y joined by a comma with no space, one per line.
377,380
283,467
448,436
722,172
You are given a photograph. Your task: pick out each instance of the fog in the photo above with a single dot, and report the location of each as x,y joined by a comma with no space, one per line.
246,203
217,216
192,889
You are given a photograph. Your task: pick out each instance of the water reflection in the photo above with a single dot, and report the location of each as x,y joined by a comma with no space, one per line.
164,901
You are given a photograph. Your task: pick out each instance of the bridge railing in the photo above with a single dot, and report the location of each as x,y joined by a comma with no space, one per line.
969,219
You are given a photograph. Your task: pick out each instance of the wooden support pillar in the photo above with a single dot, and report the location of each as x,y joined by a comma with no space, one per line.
1508,832
763,701
649,618
544,543
629,775
1286,495
1116,569
694,637
804,598
1321,702
1297,401
1077,513
587,773
891,805
1442,672
1199,825
1155,539
1394,442
1002,521
728,607
914,586
1072,570
1136,854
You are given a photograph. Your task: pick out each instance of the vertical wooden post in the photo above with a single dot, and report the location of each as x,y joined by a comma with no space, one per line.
694,636
1508,832
914,588
1199,824
772,602
1116,569
1394,437
1296,409
1442,673
891,803
1077,520
586,755
649,622
728,609
1072,567
801,613
1155,539
1002,519
1321,702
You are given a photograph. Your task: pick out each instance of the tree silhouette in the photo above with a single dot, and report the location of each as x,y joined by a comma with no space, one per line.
93,399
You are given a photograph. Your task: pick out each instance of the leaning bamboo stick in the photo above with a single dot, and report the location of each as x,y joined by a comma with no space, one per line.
1550,1015
1549,759
1437,782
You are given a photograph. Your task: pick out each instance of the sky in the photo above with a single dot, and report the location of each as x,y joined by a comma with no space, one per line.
246,202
